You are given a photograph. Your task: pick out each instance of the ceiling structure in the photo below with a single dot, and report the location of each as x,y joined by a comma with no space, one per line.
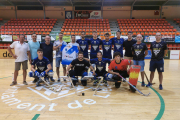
89,2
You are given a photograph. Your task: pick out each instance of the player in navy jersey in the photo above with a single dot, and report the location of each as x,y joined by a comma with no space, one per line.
84,44
100,63
43,67
139,51
118,43
158,50
95,43
107,46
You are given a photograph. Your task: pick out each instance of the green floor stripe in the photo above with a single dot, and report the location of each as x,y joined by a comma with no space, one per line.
162,107
35,117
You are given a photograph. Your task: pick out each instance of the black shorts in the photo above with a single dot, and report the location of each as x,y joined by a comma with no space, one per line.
124,74
101,73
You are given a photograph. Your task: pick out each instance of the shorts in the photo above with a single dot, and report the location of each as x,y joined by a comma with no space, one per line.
140,63
24,65
101,73
159,65
128,58
58,60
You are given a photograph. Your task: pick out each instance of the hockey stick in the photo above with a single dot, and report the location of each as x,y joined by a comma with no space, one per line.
80,93
97,88
147,78
135,87
50,87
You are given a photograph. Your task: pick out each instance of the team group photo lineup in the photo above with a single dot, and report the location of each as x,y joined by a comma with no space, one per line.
89,59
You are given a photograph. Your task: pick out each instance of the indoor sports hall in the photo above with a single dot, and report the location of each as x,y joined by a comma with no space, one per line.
31,32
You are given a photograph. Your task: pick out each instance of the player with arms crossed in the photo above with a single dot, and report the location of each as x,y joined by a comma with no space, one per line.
118,67
43,67
84,44
100,63
158,50
80,67
139,51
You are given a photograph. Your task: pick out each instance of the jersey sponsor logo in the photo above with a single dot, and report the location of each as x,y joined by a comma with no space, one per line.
95,47
116,67
106,47
138,51
100,68
156,51
79,64
118,46
41,68
83,47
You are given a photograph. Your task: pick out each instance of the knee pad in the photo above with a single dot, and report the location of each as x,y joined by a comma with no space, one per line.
116,77
93,65
50,73
71,73
84,74
109,76
31,74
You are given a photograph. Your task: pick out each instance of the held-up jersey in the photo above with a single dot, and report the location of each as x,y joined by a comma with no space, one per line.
94,47
118,45
84,45
100,65
158,50
107,46
41,64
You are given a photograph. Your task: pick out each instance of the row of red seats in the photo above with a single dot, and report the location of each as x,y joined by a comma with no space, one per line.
93,22
140,19
91,27
16,27
1,19
149,30
20,19
143,24
150,33
30,24
31,21
86,20
26,33
2,30
87,30
148,27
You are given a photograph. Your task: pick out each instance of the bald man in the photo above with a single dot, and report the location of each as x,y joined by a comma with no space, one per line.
159,50
47,48
139,51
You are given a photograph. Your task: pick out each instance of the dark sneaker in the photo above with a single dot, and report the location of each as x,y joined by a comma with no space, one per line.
25,83
13,83
143,84
59,80
95,82
35,80
105,82
64,79
149,85
52,80
160,87
47,80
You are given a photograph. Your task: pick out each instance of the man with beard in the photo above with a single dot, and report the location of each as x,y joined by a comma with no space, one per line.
84,44
80,67
100,63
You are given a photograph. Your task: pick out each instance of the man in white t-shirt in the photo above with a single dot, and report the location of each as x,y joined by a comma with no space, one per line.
57,46
21,49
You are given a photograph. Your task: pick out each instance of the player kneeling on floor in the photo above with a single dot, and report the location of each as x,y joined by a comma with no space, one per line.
43,68
100,67
79,68
118,67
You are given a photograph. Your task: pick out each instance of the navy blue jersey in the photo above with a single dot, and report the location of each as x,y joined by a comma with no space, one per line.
100,65
41,64
139,50
107,46
94,47
128,47
118,45
84,45
158,50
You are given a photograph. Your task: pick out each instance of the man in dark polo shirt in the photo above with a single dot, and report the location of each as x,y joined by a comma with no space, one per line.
127,45
47,47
